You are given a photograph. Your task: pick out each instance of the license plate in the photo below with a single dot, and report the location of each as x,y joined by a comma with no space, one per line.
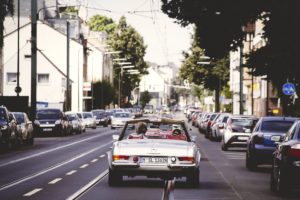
155,160
242,138
47,129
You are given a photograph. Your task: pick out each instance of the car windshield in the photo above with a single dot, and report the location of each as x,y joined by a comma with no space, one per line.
48,114
276,126
157,130
99,113
241,124
122,115
79,115
72,117
19,117
87,115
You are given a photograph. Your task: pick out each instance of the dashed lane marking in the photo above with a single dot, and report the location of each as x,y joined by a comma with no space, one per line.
28,194
83,166
102,156
95,160
55,181
71,172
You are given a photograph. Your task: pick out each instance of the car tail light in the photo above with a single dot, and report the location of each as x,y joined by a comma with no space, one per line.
294,151
187,159
120,157
258,139
208,123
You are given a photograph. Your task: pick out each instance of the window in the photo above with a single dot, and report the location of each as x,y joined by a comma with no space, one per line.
11,77
43,78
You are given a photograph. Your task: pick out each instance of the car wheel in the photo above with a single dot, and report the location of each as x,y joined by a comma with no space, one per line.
250,162
281,182
193,178
114,178
224,146
112,127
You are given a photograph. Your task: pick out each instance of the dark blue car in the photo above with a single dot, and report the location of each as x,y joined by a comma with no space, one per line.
262,143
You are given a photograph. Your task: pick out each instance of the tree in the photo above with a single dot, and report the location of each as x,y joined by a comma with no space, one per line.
7,7
145,98
131,45
212,76
102,24
220,29
103,94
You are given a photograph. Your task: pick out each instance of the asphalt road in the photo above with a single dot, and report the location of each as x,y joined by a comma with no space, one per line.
75,167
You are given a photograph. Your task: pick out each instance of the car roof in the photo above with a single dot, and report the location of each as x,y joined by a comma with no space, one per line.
161,120
281,118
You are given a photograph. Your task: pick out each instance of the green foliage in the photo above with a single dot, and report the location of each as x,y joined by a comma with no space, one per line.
145,98
131,45
102,24
103,94
7,7
71,9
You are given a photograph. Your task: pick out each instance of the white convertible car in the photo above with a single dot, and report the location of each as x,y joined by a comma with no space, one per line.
166,151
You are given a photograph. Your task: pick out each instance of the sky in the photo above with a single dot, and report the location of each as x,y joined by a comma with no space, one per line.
164,38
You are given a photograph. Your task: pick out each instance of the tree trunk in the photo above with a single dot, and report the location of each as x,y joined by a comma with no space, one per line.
217,99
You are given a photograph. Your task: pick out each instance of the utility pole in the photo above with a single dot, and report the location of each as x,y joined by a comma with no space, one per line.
33,58
18,88
241,79
68,67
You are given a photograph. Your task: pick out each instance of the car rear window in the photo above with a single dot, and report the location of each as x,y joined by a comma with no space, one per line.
276,126
48,114
241,124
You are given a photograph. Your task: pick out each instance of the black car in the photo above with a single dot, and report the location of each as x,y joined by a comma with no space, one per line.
101,118
51,121
285,173
8,129
262,142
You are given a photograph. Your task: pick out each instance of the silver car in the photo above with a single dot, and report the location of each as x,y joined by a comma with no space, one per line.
166,150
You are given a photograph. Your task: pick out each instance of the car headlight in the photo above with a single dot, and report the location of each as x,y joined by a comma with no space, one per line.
22,128
57,122
4,127
36,122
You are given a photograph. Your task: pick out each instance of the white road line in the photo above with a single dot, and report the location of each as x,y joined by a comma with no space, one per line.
102,156
71,172
16,182
83,166
28,194
50,150
55,181
87,186
236,158
95,160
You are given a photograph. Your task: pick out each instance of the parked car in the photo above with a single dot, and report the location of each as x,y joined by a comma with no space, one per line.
218,128
51,121
238,131
262,143
25,127
285,173
74,121
101,118
109,114
210,123
82,122
120,118
89,120
8,129
165,150
148,109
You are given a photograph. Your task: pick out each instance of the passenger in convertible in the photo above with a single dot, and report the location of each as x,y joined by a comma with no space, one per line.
141,129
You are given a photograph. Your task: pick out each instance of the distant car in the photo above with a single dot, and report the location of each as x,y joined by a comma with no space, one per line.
262,143
25,127
82,122
109,114
166,150
238,131
101,118
51,121
148,109
89,120
8,129
218,128
74,122
285,173
120,118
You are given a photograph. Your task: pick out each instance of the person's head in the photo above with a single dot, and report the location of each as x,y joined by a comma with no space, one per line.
141,128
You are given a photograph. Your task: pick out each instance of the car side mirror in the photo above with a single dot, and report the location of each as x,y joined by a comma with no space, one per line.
115,137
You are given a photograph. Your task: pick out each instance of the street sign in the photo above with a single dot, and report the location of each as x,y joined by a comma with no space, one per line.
288,89
87,86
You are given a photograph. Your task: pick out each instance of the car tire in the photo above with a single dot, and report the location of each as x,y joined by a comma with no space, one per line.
281,182
193,178
251,163
224,146
30,141
273,184
114,178
112,127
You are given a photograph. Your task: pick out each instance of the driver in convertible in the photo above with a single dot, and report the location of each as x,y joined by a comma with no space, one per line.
141,129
